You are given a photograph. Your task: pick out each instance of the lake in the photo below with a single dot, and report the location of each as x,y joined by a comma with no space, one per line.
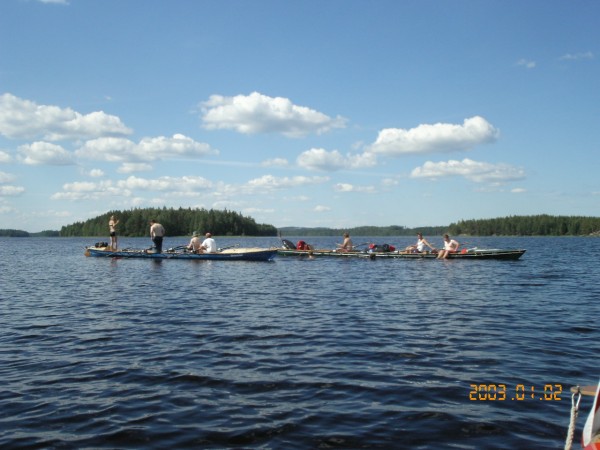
295,353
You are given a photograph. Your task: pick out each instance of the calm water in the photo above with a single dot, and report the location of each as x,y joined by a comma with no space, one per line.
294,353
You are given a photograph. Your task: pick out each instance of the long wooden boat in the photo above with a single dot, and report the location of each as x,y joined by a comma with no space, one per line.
231,254
471,253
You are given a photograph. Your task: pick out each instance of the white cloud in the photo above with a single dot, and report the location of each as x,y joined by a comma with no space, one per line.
113,149
439,137
9,191
321,159
88,190
518,191
321,208
346,187
577,56
96,173
45,153
479,172
275,162
134,167
184,184
21,118
6,177
258,113
5,157
526,63
269,182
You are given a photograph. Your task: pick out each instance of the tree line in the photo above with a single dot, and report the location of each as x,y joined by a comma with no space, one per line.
21,233
392,230
182,222
540,225
177,222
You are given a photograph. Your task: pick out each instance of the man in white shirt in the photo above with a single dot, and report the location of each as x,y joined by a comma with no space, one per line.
209,245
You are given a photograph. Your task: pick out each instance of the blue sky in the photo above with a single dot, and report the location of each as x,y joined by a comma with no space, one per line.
313,113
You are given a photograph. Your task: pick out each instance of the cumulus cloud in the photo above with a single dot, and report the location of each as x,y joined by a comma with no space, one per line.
173,184
347,187
258,113
115,149
479,172
86,190
134,167
436,138
96,173
24,119
45,153
269,182
321,159
10,191
5,157
6,177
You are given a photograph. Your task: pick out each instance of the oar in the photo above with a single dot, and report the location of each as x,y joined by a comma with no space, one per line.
359,245
179,247
225,248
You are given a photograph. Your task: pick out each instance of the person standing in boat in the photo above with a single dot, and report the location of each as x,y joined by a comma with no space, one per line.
419,247
346,246
157,232
112,228
450,246
195,244
209,245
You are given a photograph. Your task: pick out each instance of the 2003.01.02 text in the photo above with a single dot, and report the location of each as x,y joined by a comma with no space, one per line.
500,392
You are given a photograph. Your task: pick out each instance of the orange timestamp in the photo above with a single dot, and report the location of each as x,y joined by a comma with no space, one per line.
519,392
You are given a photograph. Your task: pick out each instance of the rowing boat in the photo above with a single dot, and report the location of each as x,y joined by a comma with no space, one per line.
230,254
470,253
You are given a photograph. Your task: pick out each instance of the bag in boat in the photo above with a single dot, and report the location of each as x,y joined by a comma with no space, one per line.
384,248
301,245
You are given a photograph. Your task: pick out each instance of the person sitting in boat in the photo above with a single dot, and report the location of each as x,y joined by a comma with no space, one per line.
195,243
450,246
419,247
209,245
345,246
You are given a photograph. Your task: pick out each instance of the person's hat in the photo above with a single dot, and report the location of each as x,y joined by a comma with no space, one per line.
195,234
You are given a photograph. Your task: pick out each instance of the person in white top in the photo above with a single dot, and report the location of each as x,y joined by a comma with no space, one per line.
209,245
450,246
419,247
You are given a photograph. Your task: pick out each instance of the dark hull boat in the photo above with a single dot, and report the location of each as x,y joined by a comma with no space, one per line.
233,254
471,254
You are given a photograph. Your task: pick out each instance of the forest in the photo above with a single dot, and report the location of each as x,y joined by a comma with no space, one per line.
177,222
539,225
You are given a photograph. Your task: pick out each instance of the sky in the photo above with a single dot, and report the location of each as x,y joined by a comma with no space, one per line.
337,113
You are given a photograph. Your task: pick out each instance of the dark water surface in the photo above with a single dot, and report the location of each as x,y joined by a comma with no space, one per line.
294,353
